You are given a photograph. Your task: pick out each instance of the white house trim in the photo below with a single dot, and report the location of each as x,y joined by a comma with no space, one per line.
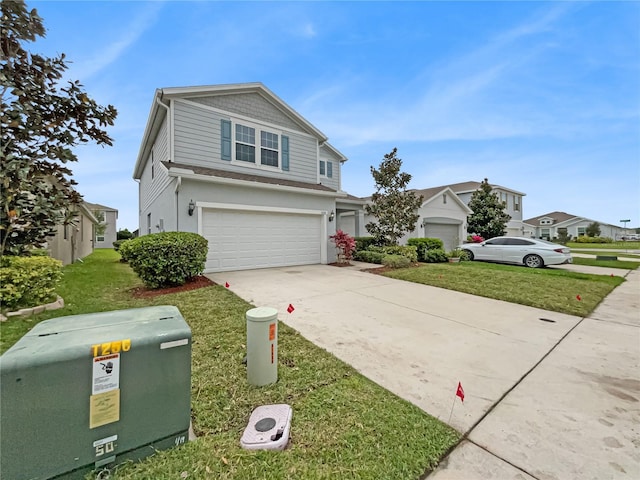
246,183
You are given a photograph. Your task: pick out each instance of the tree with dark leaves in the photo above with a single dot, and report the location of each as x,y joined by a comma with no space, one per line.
41,120
395,208
489,218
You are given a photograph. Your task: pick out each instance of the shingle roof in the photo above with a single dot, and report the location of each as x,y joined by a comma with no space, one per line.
558,217
214,172
97,206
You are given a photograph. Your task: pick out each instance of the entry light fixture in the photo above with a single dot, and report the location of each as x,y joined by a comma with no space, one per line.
332,215
192,207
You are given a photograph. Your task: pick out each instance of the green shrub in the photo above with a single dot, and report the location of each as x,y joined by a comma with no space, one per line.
166,258
28,281
396,261
369,256
423,245
363,243
410,252
437,255
124,249
585,239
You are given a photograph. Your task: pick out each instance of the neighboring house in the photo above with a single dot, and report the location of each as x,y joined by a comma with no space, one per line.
513,199
445,209
546,226
108,217
239,166
74,240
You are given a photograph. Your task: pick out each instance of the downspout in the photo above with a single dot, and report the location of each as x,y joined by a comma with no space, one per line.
177,189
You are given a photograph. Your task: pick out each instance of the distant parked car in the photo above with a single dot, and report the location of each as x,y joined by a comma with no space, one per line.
531,252
631,237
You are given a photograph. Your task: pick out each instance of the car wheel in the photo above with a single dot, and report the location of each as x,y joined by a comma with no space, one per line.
533,261
468,254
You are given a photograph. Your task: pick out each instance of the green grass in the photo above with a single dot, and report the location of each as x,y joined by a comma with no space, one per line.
344,425
554,290
618,254
628,265
606,246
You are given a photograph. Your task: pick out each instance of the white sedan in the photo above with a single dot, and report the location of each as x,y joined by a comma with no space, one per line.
531,252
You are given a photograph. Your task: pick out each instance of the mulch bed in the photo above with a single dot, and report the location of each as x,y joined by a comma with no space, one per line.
196,282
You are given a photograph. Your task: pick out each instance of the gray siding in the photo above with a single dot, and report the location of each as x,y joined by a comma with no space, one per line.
163,211
110,233
197,142
161,146
150,188
250,105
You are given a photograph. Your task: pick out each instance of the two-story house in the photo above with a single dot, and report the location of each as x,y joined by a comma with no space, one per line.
106,231
239,166
444,211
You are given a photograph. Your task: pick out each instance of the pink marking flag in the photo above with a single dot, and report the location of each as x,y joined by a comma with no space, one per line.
226,284
290,308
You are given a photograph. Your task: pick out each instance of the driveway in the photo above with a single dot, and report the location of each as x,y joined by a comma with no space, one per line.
544,399
415,340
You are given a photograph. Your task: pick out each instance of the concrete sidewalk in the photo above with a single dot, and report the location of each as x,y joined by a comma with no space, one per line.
576,415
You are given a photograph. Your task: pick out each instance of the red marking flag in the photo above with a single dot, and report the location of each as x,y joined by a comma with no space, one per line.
290,308
226,284
578,297
460,392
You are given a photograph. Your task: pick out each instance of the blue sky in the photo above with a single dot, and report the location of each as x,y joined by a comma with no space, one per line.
539,97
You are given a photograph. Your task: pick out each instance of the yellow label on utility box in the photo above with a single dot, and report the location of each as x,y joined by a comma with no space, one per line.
104,408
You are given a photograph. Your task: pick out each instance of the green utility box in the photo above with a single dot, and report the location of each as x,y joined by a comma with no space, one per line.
90,391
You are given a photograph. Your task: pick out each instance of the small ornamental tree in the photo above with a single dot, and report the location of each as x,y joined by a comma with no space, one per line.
489,218
593,230
345,245
394,207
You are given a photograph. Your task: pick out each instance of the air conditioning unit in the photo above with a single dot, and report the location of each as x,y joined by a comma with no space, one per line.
91,391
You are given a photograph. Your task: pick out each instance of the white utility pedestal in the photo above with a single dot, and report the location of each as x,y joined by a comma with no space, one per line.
262,346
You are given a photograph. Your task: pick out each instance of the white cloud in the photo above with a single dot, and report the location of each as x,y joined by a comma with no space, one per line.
108,54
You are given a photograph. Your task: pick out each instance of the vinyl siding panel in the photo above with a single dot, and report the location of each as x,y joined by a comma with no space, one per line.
161,147
150,188
197,141
250,105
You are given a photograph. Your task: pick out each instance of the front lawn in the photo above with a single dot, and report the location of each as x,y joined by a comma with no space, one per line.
344,425
606,246
555,290
593,262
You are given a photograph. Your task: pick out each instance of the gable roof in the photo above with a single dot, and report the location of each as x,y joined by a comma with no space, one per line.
162,96
558,217
177,169
97,206
466,187
430,194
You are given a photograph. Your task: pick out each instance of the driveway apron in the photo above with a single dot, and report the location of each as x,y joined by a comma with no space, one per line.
415,340
576,416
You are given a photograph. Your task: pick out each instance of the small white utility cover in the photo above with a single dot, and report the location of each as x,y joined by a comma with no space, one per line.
268,428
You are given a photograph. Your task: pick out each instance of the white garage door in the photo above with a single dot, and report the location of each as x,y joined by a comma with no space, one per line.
448,233
241,240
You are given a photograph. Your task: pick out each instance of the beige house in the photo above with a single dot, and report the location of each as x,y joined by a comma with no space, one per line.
73,241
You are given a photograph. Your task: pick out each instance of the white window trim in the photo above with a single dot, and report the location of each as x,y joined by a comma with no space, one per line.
324,175
258,137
